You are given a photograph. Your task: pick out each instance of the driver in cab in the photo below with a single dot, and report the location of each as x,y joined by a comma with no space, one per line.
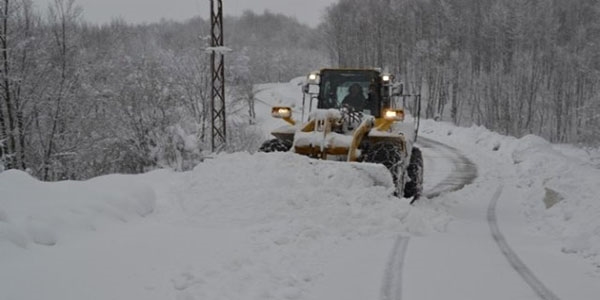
355,100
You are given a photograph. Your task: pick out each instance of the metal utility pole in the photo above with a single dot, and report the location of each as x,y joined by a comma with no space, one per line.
219,128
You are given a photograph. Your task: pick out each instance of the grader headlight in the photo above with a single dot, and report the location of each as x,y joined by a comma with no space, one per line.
394,114
386,78
281,112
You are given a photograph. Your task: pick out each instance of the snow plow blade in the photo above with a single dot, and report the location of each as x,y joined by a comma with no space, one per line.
377,172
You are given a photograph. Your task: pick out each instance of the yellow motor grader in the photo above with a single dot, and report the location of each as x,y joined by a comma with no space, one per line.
359,117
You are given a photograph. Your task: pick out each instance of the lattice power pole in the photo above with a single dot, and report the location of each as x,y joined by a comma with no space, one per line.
219,126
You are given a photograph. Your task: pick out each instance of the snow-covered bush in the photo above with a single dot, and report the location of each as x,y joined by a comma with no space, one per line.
177,149
244,137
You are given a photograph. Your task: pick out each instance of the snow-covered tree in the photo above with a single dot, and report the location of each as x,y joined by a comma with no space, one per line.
517,67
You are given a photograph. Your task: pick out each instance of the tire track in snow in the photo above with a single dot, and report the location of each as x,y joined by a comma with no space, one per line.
392,281
517,264
464,172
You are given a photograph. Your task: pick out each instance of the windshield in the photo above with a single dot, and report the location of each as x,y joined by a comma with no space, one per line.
347,88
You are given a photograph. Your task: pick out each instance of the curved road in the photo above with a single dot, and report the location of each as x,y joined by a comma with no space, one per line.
462,263
446,170
459,173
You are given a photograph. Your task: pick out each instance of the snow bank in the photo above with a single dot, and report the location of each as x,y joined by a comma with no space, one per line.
334,198
34,212
559,183
238,226
568,188
293,210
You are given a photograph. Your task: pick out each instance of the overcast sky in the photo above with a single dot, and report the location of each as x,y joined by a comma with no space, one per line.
137,11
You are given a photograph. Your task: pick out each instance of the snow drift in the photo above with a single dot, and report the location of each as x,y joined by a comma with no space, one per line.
256,226
43,213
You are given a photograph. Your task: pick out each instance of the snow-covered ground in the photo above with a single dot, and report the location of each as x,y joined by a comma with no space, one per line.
554,234
281,226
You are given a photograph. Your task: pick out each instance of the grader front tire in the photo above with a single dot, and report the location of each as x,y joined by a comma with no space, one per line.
414,187
275,145
390,155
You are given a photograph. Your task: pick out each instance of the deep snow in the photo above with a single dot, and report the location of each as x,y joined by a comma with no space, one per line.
281,226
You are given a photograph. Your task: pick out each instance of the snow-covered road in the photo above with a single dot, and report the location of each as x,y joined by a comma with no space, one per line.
282,226
447,168
490,250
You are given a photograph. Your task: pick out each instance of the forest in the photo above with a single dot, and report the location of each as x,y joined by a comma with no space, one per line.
78,100
514,66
